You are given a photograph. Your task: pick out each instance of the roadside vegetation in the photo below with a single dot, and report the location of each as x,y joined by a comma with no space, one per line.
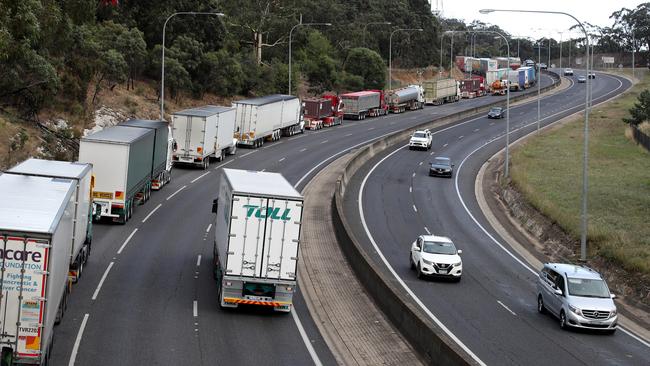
547,170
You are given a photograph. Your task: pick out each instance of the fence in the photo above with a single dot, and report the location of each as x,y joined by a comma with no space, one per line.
640,137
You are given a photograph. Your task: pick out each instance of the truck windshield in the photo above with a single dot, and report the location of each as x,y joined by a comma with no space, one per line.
588,288
438,247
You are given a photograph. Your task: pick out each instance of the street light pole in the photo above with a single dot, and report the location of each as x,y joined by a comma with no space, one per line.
291,34
162,72
365,29
560,50
539,83
633,51
585,161
390,52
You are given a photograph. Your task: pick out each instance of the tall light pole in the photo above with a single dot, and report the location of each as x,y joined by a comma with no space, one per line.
291,34
633,51
560,50
585,161
365,28
162,72
390,52
570,46
539,82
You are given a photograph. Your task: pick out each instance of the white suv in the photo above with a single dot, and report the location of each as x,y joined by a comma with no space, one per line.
577,295
436,256
421,139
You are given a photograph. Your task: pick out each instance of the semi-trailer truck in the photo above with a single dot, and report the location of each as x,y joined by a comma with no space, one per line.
407,98
121,157
257,236
267,118
36,231
361,104
439,91
202,133
81,176
161,165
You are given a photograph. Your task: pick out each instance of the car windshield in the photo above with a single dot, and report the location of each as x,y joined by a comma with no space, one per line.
439,247
419,134
441,161
495,110
588,288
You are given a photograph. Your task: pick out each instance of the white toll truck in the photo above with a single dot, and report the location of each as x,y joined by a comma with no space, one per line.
121,157
268,117
81,175
203,132
161,164
257,235
36,231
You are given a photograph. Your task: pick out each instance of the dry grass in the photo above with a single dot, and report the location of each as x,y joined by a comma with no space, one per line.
548,171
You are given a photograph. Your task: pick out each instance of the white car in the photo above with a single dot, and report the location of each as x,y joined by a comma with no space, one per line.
436,256
568,72
421,139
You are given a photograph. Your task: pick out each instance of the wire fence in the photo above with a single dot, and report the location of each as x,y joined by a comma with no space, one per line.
640,137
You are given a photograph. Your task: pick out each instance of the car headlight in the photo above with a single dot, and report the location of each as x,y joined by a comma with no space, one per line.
575,310
428,263
612,314
457,264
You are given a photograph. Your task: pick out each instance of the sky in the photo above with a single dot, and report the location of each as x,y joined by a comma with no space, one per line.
596,12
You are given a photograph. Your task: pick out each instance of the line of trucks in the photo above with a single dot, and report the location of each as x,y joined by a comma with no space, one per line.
495,75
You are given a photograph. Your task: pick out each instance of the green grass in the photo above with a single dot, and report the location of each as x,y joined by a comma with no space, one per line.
548,171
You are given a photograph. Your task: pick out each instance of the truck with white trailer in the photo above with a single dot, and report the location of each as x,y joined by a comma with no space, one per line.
202,133
407,98
257,236
161,165
267,118
36,231
439,91
81,176
121,157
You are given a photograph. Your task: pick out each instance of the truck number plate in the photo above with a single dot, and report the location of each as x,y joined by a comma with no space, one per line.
103,195
257,298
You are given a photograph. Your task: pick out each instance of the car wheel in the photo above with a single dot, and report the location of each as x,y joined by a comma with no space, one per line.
419,272
563,323
411,262
540,305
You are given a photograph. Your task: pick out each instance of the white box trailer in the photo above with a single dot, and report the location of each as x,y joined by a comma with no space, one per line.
81,175
121,157
267,118
257,236
36,230
203,132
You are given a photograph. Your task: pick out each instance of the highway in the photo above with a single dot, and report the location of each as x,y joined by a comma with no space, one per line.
147,295
493,309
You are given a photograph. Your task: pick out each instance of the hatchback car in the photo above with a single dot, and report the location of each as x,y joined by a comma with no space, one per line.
436,256
582,79
577,295
568,72
496,112
441,166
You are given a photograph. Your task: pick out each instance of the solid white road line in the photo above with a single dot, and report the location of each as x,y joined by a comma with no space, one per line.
220,165
119,251
77,341
208,229
173,194
101,282
198,260
507,308
151,213
199,177
195,309
305,338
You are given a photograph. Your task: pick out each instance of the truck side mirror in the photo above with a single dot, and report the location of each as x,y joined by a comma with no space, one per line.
215,205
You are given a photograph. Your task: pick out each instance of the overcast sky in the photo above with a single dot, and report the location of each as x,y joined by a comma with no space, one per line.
596,12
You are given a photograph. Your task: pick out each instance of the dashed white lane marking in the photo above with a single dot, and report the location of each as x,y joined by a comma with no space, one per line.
208,229
477,130
349,134
220,165
248,153
421,162
433,152
101,282
199,177
303,149
411,189
445,145
195,309
151,213
491,123
281,160
175,193
263,170
460,137
119,251
198,260
427,230
507,308
371,128
324,141
415,208
77,342
413,175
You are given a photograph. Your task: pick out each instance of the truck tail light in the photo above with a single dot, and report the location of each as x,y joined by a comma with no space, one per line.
199,149
119,195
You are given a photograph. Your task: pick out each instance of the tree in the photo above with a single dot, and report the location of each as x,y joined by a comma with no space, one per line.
641,110
368,65
220,73
112,68
316,62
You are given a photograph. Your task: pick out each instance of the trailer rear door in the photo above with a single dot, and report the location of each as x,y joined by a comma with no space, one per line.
281,238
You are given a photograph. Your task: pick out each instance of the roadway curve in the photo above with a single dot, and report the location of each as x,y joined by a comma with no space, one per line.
134,304
493,310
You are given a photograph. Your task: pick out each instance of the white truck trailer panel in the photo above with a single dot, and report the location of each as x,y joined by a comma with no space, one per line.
81,174
203,132
436,91
263,117
36,230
